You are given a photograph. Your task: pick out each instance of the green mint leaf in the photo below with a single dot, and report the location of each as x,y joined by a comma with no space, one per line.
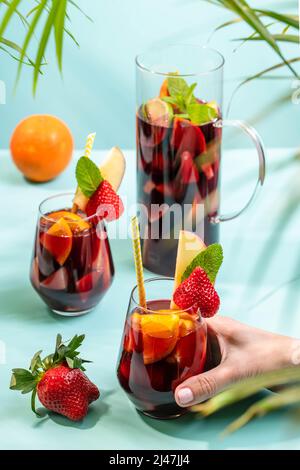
190,98
169,100
201,113
209,259
88,176
177,86
182,116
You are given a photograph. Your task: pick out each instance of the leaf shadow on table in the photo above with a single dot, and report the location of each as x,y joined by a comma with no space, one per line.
96,411
208,431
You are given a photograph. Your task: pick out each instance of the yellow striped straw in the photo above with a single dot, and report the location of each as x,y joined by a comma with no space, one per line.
89,144
87,153
137,253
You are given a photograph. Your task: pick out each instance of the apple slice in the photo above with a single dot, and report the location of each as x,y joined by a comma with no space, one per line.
189,246
57,281
113,167
112,170
158,112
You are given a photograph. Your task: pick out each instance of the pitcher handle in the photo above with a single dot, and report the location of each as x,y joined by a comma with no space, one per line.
251,132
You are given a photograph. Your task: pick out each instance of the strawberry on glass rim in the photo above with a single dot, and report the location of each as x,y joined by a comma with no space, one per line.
58,380
196,269
96,192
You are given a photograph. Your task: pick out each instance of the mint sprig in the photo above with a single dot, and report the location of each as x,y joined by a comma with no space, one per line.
209,259
201,113
26,381
183,98
88,176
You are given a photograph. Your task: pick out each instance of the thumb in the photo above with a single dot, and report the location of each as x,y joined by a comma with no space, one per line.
203,386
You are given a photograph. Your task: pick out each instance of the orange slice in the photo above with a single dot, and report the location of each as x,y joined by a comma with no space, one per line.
160,335
75,222
58,240
164,89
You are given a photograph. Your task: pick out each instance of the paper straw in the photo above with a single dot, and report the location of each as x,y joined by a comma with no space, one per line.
89,144
87,153
137,253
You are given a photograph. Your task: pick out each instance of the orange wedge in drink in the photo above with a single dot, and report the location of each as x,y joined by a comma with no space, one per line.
58,240
164,89
160,334
76,223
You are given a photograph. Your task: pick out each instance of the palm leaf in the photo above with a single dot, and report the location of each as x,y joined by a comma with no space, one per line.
30,32
44,41
278,37
289,20
18,13
59,26
247,388
259,75
72,2
15,47
7,16
288,397
245,12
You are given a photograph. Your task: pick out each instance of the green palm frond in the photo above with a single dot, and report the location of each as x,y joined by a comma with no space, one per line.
290,395
253,17
54,13
283,37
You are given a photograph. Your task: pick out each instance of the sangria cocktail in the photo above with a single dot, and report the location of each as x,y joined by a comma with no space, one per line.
160,349
179,132
72,266
165,338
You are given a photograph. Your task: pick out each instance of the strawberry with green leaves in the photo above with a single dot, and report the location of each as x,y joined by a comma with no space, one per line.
103,201
58,380
195,287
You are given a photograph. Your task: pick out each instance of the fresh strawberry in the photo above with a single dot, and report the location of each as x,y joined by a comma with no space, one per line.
58,380
67,392
197,291
106,201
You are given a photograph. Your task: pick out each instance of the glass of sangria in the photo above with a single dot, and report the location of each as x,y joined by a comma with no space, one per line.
179,133
160,349
72,266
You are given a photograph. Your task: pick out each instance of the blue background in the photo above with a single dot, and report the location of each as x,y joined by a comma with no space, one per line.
97,91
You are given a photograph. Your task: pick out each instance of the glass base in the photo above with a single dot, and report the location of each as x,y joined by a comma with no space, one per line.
72,314
159,416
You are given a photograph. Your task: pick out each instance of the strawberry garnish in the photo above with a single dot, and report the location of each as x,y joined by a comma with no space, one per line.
197,291
58,380
105,202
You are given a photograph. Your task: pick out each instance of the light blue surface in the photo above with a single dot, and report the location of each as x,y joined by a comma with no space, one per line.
258,284
98,92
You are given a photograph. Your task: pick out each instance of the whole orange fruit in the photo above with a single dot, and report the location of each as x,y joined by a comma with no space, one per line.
41,147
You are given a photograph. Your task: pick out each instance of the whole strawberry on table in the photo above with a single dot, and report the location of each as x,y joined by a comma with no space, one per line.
58,380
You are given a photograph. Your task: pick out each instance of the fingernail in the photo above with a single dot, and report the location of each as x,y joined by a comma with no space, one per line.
185,396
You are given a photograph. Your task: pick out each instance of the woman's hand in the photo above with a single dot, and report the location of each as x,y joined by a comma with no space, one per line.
240,351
